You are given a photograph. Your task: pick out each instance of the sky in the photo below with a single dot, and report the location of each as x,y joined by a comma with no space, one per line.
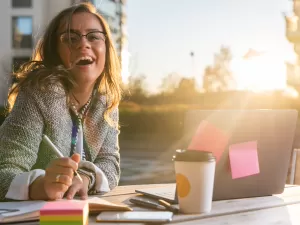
24,25
163,33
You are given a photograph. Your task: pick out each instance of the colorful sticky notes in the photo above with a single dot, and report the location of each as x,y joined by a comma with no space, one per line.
209,138
243,159
65,212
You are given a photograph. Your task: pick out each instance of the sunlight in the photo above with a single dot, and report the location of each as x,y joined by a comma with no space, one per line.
264,71
125,65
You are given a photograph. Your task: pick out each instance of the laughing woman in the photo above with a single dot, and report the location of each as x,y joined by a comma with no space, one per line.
69,92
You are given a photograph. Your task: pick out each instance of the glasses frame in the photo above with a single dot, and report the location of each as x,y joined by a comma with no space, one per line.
80,36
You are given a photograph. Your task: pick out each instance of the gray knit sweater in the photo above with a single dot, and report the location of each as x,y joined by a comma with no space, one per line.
36,113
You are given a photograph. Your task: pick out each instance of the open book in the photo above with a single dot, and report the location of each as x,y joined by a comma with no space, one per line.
30,210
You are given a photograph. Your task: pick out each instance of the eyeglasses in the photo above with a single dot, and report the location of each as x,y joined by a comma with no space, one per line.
74,38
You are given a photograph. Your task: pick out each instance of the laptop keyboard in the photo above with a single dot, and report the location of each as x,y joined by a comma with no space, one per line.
163,193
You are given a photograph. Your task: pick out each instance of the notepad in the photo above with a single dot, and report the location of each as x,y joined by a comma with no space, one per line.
243,159
65,212
209,138
30,210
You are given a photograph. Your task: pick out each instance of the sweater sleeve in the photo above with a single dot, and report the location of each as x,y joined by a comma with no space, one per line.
108,158
19,187
20,137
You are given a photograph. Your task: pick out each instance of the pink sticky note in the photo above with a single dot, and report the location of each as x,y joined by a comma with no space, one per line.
209,138
243,159
64,208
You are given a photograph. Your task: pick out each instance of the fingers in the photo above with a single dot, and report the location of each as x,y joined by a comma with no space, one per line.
83,194
77,185
57,195
63,179
66,162
80,187
72,191
76,157
59,177
55,190
59,187
53,171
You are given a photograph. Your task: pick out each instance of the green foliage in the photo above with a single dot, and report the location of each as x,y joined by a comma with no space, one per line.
170,83
153,122
218,77
167,116
186,88
135,89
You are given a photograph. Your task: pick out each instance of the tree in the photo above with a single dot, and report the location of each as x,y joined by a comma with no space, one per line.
187,86
218,77
136,87
170,83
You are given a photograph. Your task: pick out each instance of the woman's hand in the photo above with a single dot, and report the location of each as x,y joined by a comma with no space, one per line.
57,180
80,187
59,176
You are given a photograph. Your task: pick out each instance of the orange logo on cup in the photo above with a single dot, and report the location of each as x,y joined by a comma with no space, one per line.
183,185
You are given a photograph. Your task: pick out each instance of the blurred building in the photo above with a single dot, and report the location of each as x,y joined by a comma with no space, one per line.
114,13
293,35
23,21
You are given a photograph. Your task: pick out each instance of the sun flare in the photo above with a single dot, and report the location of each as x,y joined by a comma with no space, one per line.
264,71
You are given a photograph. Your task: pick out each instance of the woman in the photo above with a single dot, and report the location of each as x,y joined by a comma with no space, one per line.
70,93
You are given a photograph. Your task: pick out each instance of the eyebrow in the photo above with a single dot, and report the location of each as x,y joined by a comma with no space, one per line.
87,30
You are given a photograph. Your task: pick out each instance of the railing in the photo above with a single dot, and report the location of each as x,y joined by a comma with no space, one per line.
292,177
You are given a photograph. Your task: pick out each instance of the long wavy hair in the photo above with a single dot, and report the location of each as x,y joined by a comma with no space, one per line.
46,67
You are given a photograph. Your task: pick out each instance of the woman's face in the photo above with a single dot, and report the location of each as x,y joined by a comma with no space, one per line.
85,54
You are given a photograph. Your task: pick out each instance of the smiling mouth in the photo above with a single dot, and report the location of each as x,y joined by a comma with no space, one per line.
84,62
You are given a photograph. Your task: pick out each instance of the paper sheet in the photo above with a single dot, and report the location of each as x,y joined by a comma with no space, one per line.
30,210
243,159
209,138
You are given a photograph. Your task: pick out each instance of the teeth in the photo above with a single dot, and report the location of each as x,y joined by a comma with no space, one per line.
84,58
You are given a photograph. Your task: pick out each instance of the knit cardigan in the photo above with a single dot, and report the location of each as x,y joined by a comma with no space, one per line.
37,112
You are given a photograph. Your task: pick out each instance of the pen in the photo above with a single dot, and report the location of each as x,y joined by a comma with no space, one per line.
168,206
57,152
147,203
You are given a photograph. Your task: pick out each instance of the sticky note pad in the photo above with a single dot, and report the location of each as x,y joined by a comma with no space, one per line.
243,159
65,212
209,138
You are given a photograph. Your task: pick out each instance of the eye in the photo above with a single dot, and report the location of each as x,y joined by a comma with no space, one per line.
68,38
73,38
95,36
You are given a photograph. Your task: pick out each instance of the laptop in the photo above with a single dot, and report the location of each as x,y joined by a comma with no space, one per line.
274,132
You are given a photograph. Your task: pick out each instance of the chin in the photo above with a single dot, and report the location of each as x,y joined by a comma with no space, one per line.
86,75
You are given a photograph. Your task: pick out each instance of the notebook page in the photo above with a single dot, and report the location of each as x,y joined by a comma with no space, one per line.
27,210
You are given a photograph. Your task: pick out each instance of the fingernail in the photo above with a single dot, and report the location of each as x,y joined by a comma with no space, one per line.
61,195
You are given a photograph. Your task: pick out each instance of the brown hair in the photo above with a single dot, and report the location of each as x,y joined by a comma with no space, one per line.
46,66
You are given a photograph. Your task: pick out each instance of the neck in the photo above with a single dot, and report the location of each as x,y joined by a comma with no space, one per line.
81,95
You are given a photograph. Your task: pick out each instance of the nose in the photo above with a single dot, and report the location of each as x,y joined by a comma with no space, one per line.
83,43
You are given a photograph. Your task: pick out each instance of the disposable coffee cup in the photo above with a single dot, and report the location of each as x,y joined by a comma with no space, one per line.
195,174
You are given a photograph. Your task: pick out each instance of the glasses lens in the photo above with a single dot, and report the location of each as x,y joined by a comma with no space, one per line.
95,36
69,38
